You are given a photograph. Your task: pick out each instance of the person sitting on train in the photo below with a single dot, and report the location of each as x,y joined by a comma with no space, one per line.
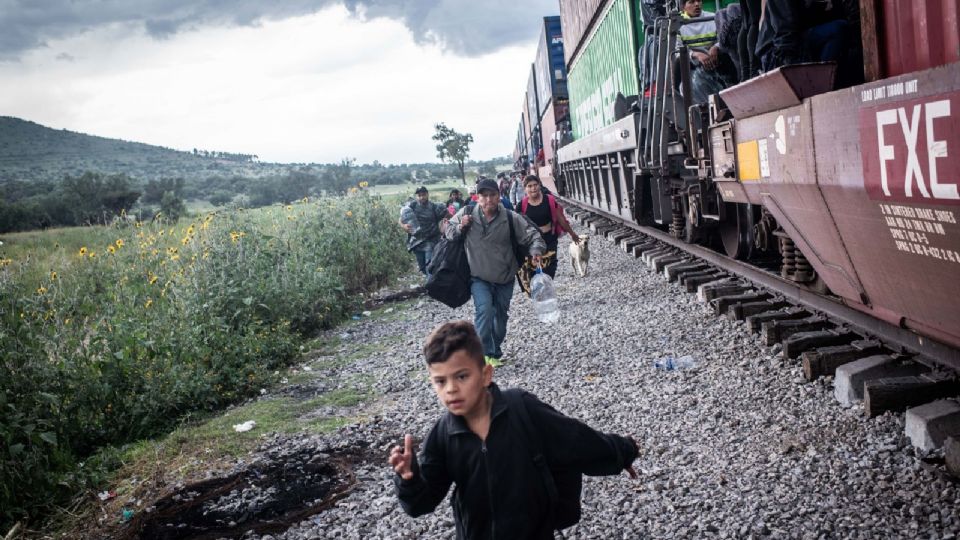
712,71
794,31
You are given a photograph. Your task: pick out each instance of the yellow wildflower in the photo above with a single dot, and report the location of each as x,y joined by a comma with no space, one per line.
53,275
148,303
174,257
364,184
185,240
289,208
83,251
305,200
93,254
111,249
153,278
349,213
5,262
41,290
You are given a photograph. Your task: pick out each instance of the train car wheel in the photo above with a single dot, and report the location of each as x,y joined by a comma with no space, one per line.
736,232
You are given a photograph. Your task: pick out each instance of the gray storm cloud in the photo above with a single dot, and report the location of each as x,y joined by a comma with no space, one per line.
464,27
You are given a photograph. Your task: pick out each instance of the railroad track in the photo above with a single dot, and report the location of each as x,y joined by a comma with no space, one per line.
874,364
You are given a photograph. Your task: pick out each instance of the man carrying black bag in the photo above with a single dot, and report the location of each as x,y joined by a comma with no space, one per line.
486,236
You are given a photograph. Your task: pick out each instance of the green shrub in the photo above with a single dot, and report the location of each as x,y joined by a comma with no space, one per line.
145,324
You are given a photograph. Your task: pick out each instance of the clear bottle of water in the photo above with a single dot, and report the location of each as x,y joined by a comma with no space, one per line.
409,217
544,298
670,363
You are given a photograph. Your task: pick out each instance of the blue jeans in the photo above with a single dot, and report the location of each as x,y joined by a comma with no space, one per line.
491,302
424,256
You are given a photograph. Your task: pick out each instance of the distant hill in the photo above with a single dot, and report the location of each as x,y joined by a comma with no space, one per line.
32,152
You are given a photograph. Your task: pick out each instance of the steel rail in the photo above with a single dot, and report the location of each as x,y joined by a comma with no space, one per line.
928,351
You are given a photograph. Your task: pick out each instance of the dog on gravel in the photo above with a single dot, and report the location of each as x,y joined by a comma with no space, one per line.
580,255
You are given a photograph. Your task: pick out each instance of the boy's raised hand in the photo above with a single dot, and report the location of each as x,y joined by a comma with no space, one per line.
401,458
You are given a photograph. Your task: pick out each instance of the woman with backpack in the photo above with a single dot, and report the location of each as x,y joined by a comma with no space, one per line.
547,215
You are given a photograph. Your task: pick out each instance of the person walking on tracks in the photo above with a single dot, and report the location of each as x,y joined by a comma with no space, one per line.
486,229
517,462
424,237
546,214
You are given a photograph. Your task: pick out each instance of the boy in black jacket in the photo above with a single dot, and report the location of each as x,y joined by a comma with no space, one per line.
484,446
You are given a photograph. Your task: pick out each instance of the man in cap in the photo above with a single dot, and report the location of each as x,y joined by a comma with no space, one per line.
424,236
486,233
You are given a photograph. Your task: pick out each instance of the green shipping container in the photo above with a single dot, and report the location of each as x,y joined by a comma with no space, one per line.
607,64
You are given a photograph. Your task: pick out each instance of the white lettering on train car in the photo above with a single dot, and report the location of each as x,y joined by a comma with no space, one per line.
596,111
936,149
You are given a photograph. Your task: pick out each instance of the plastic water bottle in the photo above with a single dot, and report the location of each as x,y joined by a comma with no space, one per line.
408,217
544,298
670,363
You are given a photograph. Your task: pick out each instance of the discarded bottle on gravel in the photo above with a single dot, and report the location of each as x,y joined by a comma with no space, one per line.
544,297
670,363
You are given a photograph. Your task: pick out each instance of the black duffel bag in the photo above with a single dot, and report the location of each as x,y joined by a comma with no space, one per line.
449,271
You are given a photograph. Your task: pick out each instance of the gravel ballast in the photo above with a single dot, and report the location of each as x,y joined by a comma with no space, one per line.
739,446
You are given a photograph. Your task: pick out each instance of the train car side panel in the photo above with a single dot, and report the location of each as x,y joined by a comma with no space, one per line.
887,163
575,17
776,163
548,130
550,69
606,65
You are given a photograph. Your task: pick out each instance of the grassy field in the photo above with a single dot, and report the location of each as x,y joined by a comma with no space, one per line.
113,334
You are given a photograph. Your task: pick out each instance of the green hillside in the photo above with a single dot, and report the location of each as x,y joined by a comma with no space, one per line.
32,152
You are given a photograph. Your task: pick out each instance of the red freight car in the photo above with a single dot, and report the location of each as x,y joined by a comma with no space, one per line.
856,191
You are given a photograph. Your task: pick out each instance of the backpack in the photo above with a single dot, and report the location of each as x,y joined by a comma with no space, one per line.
449,280
563,487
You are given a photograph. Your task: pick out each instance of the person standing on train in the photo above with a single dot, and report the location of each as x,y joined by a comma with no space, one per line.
749,30
548,216
795,31
493,263
712,71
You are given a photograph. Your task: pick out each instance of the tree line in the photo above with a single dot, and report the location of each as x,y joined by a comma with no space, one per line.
98,198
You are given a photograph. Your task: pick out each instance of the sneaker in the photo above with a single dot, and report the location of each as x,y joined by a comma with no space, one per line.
491,361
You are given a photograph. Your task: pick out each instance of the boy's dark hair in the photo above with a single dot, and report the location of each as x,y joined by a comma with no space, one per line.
531,178
451,337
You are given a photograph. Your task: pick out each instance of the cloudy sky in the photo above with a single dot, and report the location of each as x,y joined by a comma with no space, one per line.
288,80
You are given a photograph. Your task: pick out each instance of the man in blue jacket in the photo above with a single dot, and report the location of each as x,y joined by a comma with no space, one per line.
486,445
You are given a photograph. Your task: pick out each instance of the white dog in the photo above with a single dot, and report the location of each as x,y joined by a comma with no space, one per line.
580,255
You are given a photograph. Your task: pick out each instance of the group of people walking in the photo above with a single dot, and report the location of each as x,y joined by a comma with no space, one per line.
517,462
491,225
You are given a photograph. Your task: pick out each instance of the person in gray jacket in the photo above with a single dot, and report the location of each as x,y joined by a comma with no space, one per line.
492,261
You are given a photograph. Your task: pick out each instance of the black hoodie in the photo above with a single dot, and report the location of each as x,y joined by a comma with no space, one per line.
499,494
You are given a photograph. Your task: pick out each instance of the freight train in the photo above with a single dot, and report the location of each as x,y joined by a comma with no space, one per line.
851,193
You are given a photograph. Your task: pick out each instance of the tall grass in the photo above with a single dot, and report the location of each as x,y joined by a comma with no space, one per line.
109,335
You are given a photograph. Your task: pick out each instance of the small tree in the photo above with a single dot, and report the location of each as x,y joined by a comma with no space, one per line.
172,206
338,178
453,147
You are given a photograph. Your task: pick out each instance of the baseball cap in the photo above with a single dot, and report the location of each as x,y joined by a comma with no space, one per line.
487,184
